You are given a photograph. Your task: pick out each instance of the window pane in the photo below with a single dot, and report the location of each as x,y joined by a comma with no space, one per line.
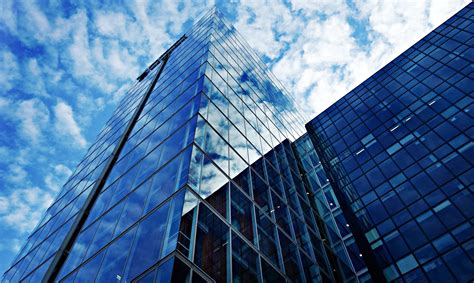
114,261
212,238
244,261
266,236
148,242
269,274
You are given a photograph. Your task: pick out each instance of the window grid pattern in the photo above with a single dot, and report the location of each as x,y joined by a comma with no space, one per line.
399,147
151,169
253,219
46,238
336,228
243,66
83,179
279,229
209,186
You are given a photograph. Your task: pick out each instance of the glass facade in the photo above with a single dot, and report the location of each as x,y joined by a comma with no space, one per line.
398,149
192,178
250,218
334,225
206,173
133,177
44,242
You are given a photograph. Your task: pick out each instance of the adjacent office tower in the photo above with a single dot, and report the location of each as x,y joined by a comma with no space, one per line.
398,151
205,173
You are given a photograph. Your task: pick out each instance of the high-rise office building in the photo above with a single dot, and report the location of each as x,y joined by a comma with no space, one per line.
205,173
398,150
177,183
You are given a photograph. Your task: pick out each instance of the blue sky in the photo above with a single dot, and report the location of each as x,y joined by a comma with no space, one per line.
65,64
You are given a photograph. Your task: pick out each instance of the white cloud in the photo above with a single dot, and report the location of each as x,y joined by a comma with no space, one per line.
57,177
119,26
79,50
8,17
440,11
34,84
4,205
398,23
25,20
17,174
33,116
5,154
66,125
88,106
9,70
325,7
322,60
22,209
266,27
111,23
62,170
38,22
326,61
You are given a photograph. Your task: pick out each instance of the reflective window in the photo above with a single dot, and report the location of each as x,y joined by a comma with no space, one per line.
212,239
241,213
148,242
244,261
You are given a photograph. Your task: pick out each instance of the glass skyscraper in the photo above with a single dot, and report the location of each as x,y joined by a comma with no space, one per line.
398,150
205,173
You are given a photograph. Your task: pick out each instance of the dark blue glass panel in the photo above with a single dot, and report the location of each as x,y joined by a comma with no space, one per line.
212,239
244,261
147,246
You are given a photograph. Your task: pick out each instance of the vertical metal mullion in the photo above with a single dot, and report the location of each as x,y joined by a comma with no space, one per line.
192,238
229,248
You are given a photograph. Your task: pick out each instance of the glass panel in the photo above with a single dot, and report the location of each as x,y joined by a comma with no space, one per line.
212,238
115,258
105,230
163,184
243,180
218,200
244,261
89,270
147,246
270,275
181,272
407,263
241,213
217,149
266,236
290,259
186,225
134,205
212,179
260,192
